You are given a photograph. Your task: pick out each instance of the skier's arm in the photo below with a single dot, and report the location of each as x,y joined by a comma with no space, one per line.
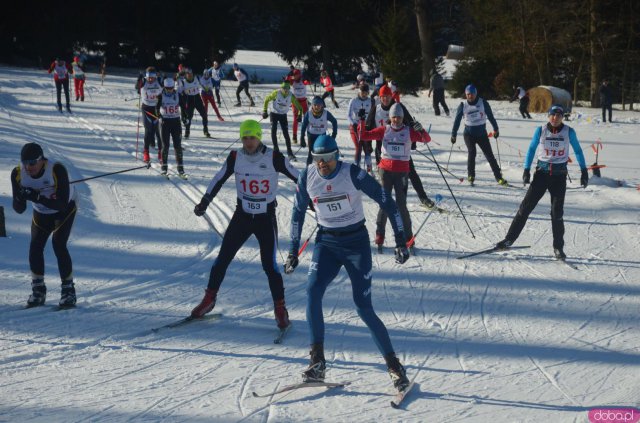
367,184
419,136
305,123
334,124
371,116
301,200
283,165
221,177
351,113
457,120
490,117
573,140
296,104
268,99
374,134
19,203
533,146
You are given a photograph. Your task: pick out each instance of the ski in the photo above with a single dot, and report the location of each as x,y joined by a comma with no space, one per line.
187,320
571,265
281,334
493,250
62,308
401,395
183,176
302,385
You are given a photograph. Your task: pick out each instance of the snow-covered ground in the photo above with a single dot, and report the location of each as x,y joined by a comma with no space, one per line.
504,337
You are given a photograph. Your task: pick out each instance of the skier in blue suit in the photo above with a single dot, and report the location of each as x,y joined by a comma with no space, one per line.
336,189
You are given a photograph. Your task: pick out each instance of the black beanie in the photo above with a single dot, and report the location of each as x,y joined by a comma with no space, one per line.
31,151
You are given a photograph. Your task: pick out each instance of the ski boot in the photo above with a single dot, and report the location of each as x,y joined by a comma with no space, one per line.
282,315
503,182
252,103
38,293
559,254
317,365
81,98
69,108
206,305
187,132
206,133
291,156
67,295
60,108
160,155
504,244
471,179
238,104
379,241
427,203
164,168
397,372
181,173
145,156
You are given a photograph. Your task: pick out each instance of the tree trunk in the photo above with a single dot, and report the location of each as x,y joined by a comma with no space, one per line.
425,34
595,57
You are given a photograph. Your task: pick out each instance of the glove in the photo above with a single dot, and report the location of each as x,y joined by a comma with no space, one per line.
453,139
291,264
299,118
402,254
496,134
30,194
362,113
417,126
526,176
201,207
584,178
313,209
265,115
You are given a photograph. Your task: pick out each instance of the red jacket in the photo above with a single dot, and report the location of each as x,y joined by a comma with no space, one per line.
62,71
391,165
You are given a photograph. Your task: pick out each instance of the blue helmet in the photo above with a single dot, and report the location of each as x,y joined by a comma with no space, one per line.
555,109
317,101
325,144
470,89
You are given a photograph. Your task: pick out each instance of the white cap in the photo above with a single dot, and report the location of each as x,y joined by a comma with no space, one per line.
169,83
396,110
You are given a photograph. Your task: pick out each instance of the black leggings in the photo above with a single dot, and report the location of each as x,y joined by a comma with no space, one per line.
279,118
151,127
42,226
265,227
194,102
485,145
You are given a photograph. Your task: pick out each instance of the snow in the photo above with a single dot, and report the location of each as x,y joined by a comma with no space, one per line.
504,337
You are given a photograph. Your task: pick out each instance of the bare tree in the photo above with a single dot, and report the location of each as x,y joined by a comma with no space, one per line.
425,34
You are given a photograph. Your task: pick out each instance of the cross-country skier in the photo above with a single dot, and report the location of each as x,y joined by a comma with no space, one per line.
436,87
552,142
243,84
208,85
168,111
315,123
61,71
189,88
394,166
325,80
299,90
336,189
149,91
78,78
281,100
256,169
359,108
475,111
523,96
45,183
216,75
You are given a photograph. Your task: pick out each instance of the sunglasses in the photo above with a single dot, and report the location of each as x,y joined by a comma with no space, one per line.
32,162
325,157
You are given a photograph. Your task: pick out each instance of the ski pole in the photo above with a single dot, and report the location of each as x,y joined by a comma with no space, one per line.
146,166
446,170
224,102
138,129
449,159
151,114
498,150
413,238
449,188
304,246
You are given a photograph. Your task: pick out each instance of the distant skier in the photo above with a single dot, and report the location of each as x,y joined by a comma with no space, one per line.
315,123
325,80
552,142
78,78
216,77
281,100
45,183
475,111
189,88
61,71
336,189
523,96
299,90
208,84
168,111
150,90
436,87
359,108
606,100
243,84
256,168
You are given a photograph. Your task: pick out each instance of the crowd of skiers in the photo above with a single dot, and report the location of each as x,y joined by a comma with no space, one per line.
380,126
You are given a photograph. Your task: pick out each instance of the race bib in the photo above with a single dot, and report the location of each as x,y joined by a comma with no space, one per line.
253,205
332,207
396,149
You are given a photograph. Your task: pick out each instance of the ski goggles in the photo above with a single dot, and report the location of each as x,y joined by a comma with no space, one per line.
324,157
31,162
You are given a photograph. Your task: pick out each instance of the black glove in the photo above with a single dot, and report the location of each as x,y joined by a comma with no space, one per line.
526,176
584,178
299,118
417,126
30,194
291,264
201,207
402,254
313,209
362,113
265,115
496,134
453,139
